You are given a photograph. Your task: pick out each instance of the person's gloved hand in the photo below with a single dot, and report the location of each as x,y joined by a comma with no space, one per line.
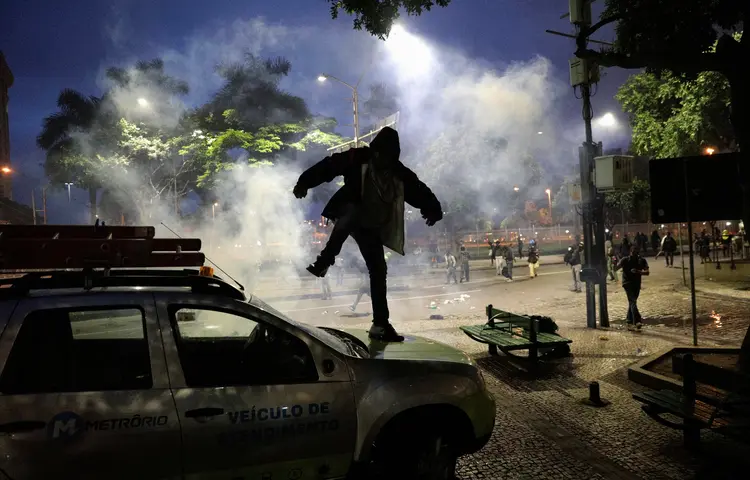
299,192
432,217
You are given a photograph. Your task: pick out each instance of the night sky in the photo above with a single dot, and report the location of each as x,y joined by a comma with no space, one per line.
51,45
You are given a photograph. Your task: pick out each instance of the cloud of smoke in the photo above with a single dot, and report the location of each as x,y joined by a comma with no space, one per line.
464,123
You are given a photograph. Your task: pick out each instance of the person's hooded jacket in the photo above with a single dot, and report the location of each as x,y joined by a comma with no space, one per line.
374,177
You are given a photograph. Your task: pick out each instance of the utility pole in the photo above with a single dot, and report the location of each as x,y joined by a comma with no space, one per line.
33,207
44,204
583,74
43,211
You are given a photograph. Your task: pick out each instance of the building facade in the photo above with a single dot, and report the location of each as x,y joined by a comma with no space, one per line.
6,81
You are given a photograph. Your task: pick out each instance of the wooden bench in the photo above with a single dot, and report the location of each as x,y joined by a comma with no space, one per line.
724,412
508,332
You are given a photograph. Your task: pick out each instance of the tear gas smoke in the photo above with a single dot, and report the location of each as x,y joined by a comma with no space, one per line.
467,128
475,127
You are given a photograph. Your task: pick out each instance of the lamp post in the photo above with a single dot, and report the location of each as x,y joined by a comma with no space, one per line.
355,101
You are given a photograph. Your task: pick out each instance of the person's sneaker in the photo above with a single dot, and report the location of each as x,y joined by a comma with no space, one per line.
385,333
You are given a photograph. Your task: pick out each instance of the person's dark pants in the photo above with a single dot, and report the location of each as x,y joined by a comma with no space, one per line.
632,292
373,254
342,228
669,258
465,271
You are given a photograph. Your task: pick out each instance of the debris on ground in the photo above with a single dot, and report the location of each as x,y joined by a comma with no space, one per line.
324,312
603,338
436,317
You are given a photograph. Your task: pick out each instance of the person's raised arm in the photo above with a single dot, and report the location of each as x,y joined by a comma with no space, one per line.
323,171
419,195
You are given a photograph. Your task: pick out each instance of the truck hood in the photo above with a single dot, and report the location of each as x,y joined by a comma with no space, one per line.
412,348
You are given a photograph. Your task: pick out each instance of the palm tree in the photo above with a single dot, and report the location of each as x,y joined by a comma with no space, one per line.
66,159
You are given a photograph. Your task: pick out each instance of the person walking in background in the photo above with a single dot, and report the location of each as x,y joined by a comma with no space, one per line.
625,246
494,247
325,287
533,259
509,262
573,259
433,253
339,271
364,283
655,241
611,259
520,247
669,246
633,267
450,268
463,259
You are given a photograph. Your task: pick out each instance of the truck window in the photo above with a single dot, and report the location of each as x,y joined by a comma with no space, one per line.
65,350
219,349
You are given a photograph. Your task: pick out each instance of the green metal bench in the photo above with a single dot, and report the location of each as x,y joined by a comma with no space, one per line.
509,332
727,415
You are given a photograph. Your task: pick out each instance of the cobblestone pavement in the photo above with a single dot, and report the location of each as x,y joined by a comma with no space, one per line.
542,430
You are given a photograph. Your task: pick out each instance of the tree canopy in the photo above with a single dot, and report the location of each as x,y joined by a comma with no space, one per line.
110,143
377,16
678,35
674,115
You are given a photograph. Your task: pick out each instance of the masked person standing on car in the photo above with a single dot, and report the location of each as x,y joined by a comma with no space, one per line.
633,268
371,202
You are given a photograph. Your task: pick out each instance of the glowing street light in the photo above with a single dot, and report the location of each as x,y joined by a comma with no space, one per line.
6,170
142,102
549,199
608,120
355,101
213,210
68,184
709,150
540,133
516,189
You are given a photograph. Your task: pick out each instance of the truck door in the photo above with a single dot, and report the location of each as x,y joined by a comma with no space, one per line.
84,390
254,400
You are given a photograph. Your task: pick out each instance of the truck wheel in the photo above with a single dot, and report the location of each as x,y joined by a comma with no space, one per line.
428,456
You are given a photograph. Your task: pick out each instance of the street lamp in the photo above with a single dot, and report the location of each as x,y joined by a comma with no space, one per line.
68,184
142,102
213,210
709,150
6,170
355,100
608,120
516,189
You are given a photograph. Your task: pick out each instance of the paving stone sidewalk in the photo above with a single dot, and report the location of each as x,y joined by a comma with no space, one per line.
542,429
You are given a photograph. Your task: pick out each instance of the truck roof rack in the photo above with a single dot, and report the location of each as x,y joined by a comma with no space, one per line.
32,247
88,279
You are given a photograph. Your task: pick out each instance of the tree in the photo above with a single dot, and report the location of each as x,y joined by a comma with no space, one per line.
252,93
674,115
65,137
678,36
381,103
377,16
